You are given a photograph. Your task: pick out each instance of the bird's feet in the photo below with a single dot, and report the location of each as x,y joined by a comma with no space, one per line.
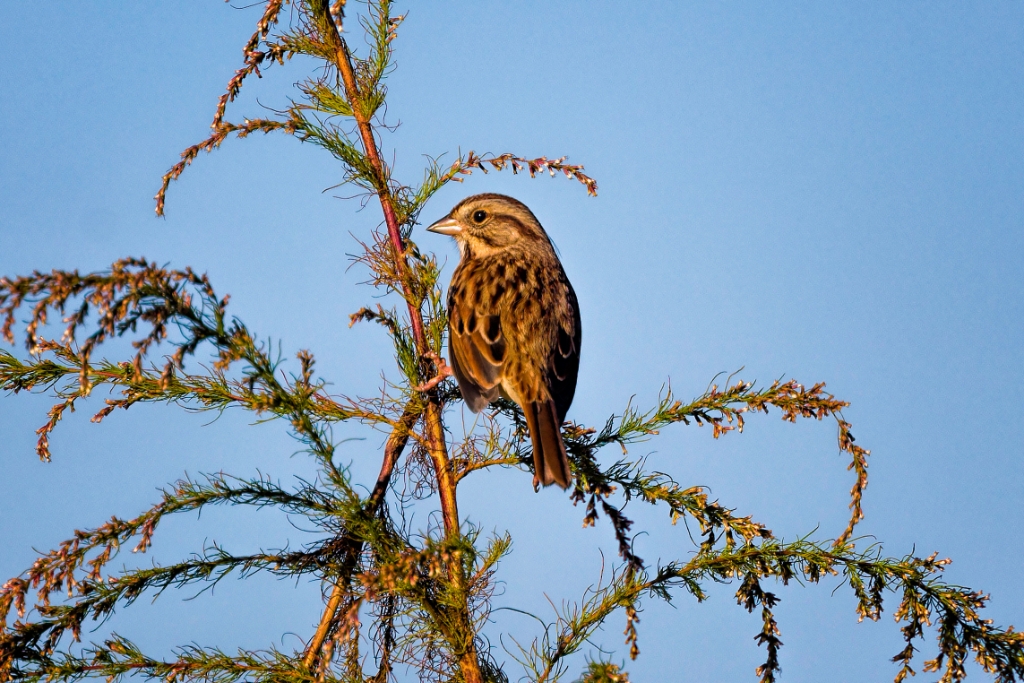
443,371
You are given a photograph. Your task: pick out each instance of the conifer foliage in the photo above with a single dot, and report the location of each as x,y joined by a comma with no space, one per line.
400,599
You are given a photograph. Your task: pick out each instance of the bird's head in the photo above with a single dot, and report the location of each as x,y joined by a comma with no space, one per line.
486,223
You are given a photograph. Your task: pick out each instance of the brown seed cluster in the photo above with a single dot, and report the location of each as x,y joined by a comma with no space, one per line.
465,166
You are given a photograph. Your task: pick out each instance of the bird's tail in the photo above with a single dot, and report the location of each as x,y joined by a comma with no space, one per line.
550,462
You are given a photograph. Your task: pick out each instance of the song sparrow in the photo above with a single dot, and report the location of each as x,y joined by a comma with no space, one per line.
513,322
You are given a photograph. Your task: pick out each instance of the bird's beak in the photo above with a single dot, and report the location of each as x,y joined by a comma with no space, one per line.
446,226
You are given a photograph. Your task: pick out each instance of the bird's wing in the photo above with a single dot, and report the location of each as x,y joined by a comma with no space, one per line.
477,349
564,365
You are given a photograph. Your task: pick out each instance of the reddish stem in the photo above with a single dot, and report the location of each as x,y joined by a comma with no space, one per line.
446,482
435,429
343,60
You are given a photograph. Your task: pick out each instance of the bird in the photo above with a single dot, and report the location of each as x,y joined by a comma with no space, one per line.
513,322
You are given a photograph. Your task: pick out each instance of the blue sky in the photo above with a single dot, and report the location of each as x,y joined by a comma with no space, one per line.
806,190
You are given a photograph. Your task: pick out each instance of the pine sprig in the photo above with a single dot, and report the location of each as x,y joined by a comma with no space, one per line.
726,411
714,521
97,600
923,598
118,658
91,550
133,292
466,165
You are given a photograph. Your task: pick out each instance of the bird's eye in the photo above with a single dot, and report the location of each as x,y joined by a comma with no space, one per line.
479,216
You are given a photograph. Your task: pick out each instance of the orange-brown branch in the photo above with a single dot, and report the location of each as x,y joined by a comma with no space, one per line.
433,422
435,430
343,62
392,450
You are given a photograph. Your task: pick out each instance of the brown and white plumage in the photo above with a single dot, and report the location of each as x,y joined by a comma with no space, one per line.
514,322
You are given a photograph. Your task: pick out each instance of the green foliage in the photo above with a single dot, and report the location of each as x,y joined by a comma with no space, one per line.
425,593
